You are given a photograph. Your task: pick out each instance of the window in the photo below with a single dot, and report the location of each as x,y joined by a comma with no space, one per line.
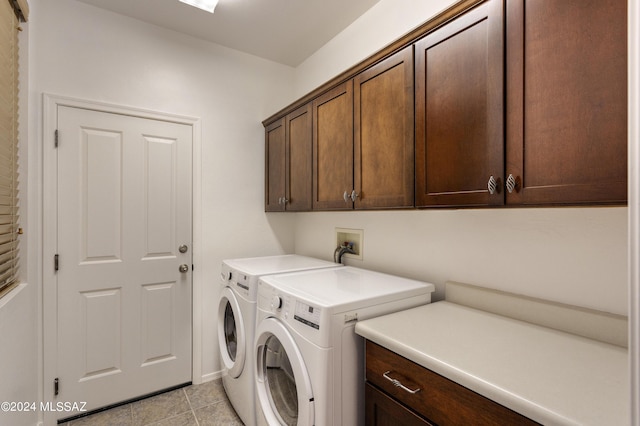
11,12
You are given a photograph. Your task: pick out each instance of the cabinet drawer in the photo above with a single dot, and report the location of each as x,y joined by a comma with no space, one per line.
439,399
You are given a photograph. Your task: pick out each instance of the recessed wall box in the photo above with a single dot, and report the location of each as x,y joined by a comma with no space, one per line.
353,236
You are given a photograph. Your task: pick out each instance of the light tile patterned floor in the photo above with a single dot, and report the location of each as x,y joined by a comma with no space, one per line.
196,405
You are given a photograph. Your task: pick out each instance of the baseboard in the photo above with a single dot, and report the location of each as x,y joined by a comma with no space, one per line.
209,377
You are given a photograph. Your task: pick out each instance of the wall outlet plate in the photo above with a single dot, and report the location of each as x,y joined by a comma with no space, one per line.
354,236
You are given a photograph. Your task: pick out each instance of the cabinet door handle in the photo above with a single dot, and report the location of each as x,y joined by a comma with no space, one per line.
354,195
512,184
492,185
346,197
397,383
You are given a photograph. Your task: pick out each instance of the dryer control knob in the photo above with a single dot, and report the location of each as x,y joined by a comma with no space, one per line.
276,302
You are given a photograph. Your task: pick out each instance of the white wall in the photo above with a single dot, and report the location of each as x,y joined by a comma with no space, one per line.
19,310
19,354
575,256
88,53
385,22
570,255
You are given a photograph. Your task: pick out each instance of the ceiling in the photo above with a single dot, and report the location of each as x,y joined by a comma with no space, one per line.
284,31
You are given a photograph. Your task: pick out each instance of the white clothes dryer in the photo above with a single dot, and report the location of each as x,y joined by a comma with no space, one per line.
308,360
237,321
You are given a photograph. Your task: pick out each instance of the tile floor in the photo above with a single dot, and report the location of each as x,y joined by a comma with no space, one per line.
196,405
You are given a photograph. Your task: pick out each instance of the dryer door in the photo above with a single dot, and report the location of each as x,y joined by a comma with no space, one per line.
231,333
283,384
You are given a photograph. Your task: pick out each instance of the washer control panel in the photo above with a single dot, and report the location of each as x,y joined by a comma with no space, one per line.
307,314
284,306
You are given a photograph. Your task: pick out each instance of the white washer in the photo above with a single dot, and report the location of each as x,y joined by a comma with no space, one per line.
308,361
237,321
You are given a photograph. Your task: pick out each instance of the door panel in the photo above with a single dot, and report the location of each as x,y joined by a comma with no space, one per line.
567,101
275,167
157,340
101,193
101,332
383,142
333,148
124,207
459,110
299,163
160,190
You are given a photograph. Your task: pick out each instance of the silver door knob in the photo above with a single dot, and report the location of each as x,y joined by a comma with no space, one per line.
346,197
184,268
183,248
512,184
492,185
354,195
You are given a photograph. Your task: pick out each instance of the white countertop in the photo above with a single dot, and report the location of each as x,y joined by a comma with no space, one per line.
552,377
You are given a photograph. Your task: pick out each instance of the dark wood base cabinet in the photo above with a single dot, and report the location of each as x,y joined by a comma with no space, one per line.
382,410
401,392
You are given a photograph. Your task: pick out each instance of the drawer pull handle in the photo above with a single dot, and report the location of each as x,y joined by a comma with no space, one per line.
399,384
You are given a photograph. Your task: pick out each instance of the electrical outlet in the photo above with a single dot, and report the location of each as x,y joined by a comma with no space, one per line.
353,236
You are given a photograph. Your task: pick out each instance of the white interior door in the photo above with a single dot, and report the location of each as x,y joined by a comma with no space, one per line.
124,210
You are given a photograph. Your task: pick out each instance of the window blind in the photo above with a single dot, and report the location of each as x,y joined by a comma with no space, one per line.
9,250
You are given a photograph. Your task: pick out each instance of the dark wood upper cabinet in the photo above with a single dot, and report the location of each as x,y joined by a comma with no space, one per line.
494,102
275,166
288,168
363,151
333,148
299,159
459,110
566,75
383,129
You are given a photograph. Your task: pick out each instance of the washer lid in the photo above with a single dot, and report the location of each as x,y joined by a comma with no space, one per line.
276,264
347,287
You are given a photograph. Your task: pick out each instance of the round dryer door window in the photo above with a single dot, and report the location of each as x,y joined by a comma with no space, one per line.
281,384
231,334
284,387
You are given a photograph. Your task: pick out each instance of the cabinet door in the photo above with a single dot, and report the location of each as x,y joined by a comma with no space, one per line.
298,154
567,101
382,410
333,148
275,167
459,110
383,129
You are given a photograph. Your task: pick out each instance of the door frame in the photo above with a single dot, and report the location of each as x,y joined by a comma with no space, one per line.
49,231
